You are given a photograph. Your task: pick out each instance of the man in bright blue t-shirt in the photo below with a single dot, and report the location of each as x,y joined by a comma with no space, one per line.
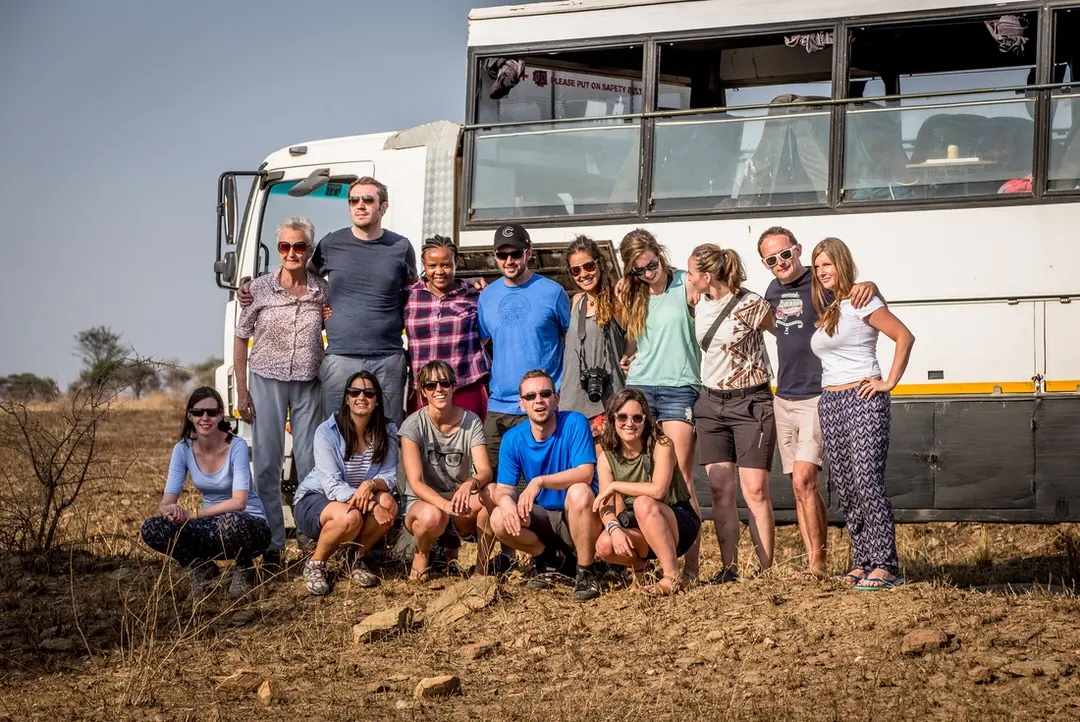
554,452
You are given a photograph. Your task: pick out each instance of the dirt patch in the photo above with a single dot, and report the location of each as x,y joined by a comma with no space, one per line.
102,630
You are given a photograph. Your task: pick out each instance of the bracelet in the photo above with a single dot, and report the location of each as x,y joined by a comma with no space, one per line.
612,525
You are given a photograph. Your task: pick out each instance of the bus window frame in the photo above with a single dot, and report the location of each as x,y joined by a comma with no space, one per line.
834,204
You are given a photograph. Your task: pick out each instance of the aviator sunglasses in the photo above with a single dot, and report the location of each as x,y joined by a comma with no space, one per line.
199,413
545,394
633,418
639,272
300,247
367,200
440,383
784,255
587,267
504,255
354,393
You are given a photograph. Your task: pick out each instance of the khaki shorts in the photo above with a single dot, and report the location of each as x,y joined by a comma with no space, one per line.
798,432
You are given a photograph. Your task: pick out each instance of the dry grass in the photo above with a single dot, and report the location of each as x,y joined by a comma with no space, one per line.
772,648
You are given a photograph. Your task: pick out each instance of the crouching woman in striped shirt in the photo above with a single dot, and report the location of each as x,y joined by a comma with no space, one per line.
347,499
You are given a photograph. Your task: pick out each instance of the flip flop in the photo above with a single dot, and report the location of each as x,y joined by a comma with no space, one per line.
422,577
848,578
876,584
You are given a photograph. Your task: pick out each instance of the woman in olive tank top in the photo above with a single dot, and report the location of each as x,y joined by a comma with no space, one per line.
643,503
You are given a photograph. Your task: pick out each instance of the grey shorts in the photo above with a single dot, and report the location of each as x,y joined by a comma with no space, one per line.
550,525
736,427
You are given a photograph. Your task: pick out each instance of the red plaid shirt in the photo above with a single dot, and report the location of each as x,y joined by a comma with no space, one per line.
445,328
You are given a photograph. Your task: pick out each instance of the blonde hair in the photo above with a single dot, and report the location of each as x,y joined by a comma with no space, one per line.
724,265
634,296
845,274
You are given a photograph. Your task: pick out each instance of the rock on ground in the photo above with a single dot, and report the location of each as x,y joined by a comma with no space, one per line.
1037,668
922,641
478,650
443,686
380,625
460,600
242,680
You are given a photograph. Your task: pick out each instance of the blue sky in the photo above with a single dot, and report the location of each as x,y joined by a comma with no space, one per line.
118,115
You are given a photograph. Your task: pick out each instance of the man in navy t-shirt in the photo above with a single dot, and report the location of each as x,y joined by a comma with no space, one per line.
553,514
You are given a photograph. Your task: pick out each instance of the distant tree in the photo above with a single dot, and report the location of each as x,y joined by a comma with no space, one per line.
28,388
140,376
103,355
174,377
204,371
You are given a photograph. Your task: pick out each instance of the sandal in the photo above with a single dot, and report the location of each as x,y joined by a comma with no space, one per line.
850,578
666,587
876,584
423,576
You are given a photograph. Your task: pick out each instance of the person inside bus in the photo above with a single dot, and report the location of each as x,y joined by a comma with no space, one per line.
231,523
285,319
441,323
553,515
447,474
595,341
855,410
347,498
655,300
644,503
734,413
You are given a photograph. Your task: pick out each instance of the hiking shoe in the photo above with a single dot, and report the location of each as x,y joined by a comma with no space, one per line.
271,564
725,576
501,564
315,578
363,576
545,570
202,580
586,585
243,581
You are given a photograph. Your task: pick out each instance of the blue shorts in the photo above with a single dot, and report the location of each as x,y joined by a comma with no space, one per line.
307,512
670,403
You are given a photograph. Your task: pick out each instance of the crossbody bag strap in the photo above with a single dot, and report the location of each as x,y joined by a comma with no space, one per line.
707,340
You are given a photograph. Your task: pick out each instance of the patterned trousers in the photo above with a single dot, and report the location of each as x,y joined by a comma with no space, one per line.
856,433
233,535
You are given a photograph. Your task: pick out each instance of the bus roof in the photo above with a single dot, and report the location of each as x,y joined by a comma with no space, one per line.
577,19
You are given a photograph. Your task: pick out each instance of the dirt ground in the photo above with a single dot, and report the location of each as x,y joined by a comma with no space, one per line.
102,630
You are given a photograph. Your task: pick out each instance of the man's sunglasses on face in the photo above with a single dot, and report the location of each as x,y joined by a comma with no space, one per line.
365,199
506,255
545,394
785,255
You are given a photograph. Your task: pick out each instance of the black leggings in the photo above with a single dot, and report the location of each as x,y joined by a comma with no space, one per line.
233,535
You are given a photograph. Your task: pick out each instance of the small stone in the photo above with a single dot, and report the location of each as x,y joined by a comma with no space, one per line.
1037,668
403,704
384,624
769,643
377,688
443,686
752,679
922,641
266,693
161,717
538,651
512,679
243,680
460,600
398,678
715,635
980,675
57,644
478,650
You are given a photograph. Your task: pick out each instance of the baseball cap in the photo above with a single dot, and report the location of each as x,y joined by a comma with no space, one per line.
513,234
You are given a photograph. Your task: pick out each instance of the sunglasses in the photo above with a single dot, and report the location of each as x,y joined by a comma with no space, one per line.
587,267
639,272
441,383
545,394
505,255
366,200
785,255
199,413
354,393
300,248
632,418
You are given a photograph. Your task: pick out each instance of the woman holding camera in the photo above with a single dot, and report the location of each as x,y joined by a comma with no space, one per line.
644,502
595,342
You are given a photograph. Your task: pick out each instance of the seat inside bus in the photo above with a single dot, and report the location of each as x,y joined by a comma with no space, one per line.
1066,174
1002,145
875,167
791,162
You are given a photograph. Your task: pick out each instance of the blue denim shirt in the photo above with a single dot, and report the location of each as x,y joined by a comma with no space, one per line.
328,476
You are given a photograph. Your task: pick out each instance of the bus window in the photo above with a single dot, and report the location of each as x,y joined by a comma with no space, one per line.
929,144
587,164
731,155
1064,110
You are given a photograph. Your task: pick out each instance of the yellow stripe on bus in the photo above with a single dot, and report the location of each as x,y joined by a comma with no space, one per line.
1066,386
977,387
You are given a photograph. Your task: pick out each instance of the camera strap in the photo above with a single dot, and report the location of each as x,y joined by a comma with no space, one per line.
583,309
735,298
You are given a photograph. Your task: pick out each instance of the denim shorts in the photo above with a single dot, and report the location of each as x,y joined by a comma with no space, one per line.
670,403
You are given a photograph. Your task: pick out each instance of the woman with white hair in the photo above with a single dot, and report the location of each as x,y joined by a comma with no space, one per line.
285,318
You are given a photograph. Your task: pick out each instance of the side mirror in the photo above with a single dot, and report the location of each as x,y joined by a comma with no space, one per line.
225,267
228,213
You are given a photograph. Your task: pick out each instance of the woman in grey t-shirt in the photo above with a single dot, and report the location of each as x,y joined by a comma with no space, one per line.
447,470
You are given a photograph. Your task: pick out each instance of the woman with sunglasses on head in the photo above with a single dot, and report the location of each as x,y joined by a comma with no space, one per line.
447,472
231,523
595,342
347,498
656,303
855,410
285,319
441,324
644,502
734,414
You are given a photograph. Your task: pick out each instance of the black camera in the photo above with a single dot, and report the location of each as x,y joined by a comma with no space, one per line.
627,519
593,380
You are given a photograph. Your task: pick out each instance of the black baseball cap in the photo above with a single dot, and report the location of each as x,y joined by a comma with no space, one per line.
513,234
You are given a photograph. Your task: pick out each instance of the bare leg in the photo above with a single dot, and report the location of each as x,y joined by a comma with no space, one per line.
656,521
340,523
812,515
525,541
682,437
372,530
755,489
722,480
481,505
426,523
583,521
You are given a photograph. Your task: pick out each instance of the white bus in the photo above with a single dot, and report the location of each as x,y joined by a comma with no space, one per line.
941,141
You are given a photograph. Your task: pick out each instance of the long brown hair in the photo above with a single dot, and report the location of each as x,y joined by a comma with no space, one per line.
723,264
827,304
376,426
651,435
634,297
605,292
187,430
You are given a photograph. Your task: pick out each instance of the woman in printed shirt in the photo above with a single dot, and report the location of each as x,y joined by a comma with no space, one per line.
231,523
856,411
735,411
655,301
285,318
346,499
441,325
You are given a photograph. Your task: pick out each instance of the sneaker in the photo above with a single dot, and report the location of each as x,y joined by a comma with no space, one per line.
545,569
315,578
243,581
363,576
202,580
501,564
271,564
725,576
586,585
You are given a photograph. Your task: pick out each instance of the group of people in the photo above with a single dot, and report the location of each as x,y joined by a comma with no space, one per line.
557,426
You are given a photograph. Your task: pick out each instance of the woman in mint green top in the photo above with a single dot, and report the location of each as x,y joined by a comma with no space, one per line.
643,502
656,303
